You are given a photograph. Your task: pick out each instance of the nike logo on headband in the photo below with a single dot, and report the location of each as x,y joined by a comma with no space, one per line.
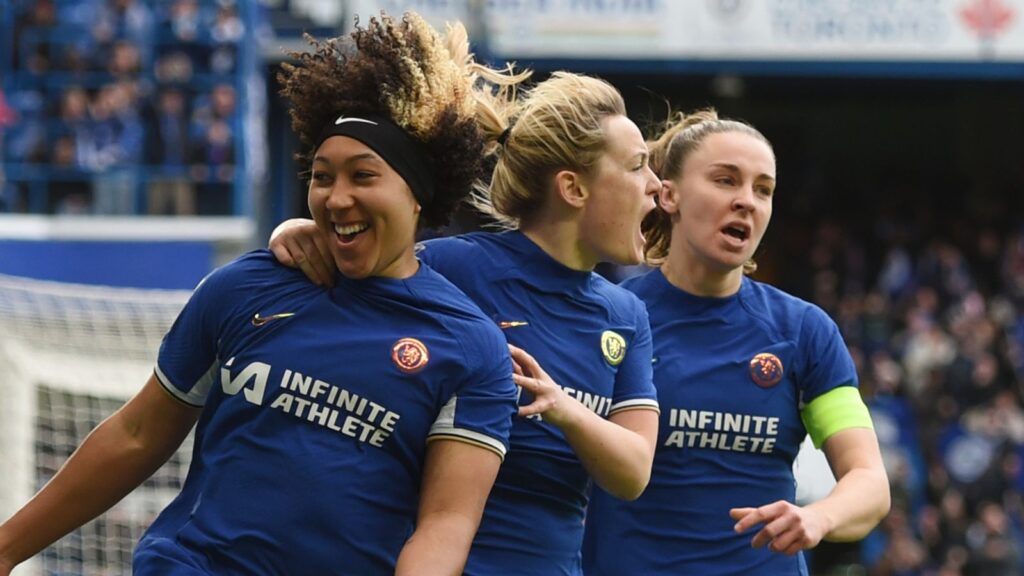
342,120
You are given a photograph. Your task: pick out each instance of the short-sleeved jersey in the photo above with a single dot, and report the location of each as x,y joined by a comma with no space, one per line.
732,375
593,338
317,406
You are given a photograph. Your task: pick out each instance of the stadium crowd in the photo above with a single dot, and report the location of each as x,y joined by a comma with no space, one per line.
123,107
929,306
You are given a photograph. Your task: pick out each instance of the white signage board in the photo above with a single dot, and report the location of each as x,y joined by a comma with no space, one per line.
765,30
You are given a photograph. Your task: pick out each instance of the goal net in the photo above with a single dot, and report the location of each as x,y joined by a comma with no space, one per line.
70,355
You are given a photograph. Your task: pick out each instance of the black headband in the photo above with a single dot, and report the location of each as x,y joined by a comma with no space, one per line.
407,156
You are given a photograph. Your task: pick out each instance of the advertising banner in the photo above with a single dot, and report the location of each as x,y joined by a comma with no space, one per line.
750,30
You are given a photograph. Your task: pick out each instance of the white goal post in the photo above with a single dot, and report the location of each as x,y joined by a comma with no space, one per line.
69,356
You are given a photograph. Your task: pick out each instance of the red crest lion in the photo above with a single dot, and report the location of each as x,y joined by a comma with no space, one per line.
766,369
410,355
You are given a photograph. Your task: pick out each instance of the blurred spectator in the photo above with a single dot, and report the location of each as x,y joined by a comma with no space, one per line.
928,349
904,554
183,30
76,61
174,68
1013,265
213,168
992,548
227,32
897,277
112,147
213,150
169,191
124,60
877,323
184,21
26,135
68,193
943,267
219,104
74,109
987,255
953,521
30,47
7,114
123,20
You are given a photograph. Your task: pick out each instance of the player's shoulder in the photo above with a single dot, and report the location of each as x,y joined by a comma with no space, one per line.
786,312
252,269
471,243
464,322
621,302
767,295
253,279
465,249
441,298
643,283
433,290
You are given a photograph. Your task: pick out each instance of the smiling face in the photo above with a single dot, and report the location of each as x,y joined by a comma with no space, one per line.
365,210
621,189
720,205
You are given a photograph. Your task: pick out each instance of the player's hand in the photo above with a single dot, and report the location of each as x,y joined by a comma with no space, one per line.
786,527
299,244
548,397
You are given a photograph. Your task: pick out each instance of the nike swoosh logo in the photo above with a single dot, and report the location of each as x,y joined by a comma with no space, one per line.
258,320
511,324
342,120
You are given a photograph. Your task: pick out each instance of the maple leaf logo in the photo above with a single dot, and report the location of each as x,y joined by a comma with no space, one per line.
987,18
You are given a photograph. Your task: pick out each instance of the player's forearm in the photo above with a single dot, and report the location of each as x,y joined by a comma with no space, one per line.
856,505
438,547
617,458
106,467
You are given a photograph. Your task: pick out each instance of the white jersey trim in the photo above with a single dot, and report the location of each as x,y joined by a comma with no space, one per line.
200,390
635,404
444,428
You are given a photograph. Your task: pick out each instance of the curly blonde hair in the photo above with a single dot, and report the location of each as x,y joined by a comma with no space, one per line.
427,84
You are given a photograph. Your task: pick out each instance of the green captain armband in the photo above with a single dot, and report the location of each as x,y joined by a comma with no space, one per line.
834,411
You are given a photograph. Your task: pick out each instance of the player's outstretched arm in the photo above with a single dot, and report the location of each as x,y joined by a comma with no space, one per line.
618,452
855,506
861,497
117,456
297,243
457,477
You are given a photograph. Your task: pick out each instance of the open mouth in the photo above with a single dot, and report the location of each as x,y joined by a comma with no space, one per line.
649,222
741,233
348,232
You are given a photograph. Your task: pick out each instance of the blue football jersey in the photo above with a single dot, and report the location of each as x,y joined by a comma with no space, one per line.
317,405
732,374
594,340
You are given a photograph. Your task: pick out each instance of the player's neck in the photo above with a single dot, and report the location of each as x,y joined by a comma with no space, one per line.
560,239
695,277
